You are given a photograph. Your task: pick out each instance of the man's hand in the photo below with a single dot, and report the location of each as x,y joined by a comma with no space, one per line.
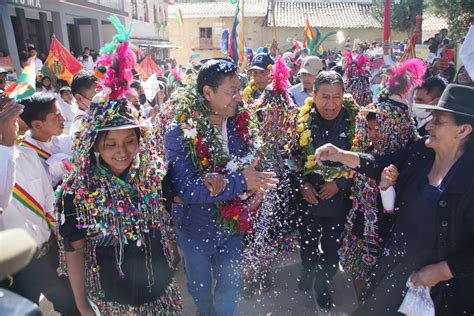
310,194
328,190
9,123
389,177
215,183
257,180
432,274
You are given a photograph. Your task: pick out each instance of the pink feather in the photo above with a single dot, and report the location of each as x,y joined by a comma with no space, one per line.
406,76
280,74
361,63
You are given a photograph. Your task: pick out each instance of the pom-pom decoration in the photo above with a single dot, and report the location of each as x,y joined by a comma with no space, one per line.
402,78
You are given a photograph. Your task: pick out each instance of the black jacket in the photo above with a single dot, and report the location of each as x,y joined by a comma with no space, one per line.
336,132
454,239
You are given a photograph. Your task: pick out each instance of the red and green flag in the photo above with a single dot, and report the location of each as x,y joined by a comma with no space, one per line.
60,64
26,84
308,38
179,17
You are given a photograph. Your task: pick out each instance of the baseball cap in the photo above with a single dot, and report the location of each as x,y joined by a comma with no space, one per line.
311,65
3,70
456,99
261,61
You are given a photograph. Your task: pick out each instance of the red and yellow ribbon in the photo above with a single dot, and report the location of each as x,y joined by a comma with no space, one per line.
29,202
42,153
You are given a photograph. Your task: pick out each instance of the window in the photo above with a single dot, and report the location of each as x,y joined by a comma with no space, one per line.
205,37
146,16
134,10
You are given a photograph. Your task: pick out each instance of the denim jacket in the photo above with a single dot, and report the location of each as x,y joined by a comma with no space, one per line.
196,214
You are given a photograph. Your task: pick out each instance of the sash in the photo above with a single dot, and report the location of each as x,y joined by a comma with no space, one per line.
41,153
30,203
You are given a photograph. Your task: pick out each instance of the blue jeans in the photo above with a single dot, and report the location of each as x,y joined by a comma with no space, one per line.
223,257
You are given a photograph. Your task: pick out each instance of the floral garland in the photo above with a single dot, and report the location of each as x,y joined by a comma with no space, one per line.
305,140
206,151
247,94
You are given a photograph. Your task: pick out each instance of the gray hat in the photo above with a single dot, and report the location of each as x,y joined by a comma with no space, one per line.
3,70
456,99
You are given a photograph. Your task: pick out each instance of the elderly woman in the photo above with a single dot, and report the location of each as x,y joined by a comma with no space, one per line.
433,233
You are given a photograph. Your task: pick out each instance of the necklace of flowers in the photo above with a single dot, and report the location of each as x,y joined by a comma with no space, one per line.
205,148
305,140
247,94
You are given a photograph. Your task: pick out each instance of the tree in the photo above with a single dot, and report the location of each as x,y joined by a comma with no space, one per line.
459,13
402,13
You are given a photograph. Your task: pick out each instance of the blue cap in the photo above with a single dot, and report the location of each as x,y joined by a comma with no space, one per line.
261,61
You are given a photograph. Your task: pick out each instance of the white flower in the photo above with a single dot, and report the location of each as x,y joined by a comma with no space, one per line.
190,133
232,166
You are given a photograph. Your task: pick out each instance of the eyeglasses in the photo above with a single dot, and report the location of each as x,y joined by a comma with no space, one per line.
233,93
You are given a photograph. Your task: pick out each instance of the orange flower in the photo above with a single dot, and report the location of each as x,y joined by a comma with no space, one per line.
182,118
204,161
195,140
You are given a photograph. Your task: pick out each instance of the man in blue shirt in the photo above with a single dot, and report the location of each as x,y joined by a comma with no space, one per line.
310,68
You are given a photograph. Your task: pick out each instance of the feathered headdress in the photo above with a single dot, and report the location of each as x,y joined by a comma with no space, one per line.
402,78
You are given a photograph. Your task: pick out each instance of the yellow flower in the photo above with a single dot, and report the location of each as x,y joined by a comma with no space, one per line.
304,118
311,158
310,163
305,109
300,128
305,138
204,161
182,118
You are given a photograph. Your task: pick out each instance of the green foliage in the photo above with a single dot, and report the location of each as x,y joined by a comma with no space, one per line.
459,13
402,13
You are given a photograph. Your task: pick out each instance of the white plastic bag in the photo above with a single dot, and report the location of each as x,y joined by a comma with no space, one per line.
417,301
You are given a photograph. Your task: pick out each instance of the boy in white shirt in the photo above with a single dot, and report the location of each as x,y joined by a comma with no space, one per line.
42,114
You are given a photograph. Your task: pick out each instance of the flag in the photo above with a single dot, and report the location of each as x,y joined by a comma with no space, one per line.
237,41
409,52
26,84
179,17
148,67
60,64
466,53
308,38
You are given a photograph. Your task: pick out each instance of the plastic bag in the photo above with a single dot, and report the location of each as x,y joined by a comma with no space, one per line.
417,301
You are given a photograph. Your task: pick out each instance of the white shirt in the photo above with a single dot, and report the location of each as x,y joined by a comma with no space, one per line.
7,174
30,175
87,63
69,111
59,147
38,63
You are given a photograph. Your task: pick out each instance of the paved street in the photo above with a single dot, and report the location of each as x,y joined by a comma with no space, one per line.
284,299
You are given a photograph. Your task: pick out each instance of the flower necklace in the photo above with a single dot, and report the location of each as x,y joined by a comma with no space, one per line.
247,94
204,146
305,140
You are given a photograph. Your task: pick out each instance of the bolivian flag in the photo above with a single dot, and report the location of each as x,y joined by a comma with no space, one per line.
179,17
26,84
60,64
308,35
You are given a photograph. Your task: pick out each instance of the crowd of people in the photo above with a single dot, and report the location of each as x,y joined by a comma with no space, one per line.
360,165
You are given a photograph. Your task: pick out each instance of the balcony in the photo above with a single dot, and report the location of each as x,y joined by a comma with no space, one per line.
110,6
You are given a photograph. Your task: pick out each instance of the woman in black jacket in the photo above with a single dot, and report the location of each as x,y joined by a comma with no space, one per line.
433,233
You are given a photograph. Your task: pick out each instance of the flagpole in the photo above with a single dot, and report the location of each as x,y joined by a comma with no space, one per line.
274,22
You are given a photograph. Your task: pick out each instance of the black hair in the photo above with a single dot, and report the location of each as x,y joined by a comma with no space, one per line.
449,74
46,77
82,81
136,85
24,57
62,83
434,86
37,107
213,73
328,77
371,116
31,48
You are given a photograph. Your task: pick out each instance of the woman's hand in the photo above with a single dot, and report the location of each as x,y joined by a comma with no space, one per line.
432,274
389,177
259,181
215,183
328,190
327,152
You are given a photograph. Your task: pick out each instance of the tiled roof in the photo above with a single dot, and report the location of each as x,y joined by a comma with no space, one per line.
431,22
203,9
324,14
